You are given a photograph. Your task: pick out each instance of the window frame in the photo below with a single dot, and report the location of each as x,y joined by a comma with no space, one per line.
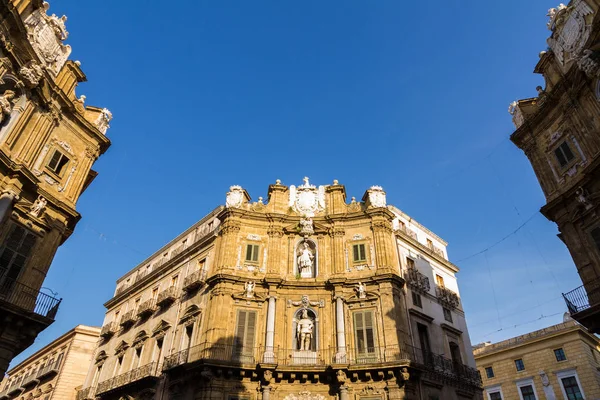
364,248
562,351
63,167
447,314
4,245
571,373
487,374
365,352
419,302
558,147
254,253
527,382
522,364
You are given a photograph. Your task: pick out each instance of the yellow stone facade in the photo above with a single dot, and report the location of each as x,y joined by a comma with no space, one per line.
56,371
554,360
300,296
49,140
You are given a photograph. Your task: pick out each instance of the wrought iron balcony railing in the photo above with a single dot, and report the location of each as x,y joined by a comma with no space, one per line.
88,393
176,359
30,379
28,298
583,297
222,352
447,297
370,355
146,308
146,371
167,297
51,368
444,366
193,281
128,318
108,330
417,280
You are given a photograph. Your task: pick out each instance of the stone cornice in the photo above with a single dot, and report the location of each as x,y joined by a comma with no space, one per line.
421,315
452,329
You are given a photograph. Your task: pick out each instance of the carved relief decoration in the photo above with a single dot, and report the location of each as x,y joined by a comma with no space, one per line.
235,197
570,30
377,196
517,114
102,122
305,395
31,73
307,199
46,34
305,302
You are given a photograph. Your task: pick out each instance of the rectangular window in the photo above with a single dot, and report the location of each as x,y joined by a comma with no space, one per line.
572,388
174,280
245,330
359,254
495,396
15,252
560,354
563,154
424,341
252,253
439,281
364,332
527,392
410,263
519,364
416,299
58,162
447,314
489,372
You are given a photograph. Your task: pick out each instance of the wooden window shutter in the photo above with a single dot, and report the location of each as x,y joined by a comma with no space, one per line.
246,329
364,331
15,252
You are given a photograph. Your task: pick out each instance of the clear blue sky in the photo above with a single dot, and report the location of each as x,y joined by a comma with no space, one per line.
412,96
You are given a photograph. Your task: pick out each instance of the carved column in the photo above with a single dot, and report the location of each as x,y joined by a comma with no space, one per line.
382,233
343,392
266,393
228,251
269,356
338,249
8,199
341,330
274,258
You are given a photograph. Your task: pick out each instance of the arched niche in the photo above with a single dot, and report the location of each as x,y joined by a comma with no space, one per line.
306,255
298,319
12,83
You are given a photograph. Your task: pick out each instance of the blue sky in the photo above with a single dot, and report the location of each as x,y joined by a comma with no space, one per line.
410,96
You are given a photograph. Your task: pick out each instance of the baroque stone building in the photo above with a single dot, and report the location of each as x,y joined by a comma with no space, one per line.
55,371
559,131
49,140
303,296
558,362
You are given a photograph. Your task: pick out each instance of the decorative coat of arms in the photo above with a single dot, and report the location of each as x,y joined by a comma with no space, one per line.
306,199
570,31
235,197
47,33
377,196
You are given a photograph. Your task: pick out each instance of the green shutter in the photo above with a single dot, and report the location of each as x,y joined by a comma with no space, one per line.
241,328
54,161
255,253
15,252
355,249
359,332
362,252
250,330
369,331
245,330
249,252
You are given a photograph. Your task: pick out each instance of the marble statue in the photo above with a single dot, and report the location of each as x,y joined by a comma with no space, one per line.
6,104
249,289
38,206
306,226
361,290
305,260
304,331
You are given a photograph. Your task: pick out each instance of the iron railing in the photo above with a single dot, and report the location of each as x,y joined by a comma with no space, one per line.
222,352
28,298
417,280
148,370
447,297
175,359
370,355
87,394
441,365
51,368
583,297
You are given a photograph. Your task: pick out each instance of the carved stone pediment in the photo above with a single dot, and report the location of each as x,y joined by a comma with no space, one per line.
161,329
121,348
190,315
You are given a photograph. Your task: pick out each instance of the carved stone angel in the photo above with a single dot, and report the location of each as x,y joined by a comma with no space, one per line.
6,105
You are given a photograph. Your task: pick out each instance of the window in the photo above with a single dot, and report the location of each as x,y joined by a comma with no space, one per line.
359,254
495,396
424,340
455,353
364,332
252,253
174,280
447,314
527,392
563,154
571,388
439,281
416,299
519,364
58,162
489,372
155,293
15,252
410,263
245,330
560,354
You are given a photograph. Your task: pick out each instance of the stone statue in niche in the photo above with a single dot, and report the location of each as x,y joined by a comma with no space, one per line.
304,331
38,206
249,289
361,290
6,105
305,260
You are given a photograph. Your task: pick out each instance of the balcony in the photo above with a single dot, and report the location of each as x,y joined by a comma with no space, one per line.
4,395
222,353
167,297
417,281
409,232
30,379
50,369
28,298
193,281
175,360
15,389
148,371
445,367
146,309
447,297
128,318
583,304
392,354
108,330
86,394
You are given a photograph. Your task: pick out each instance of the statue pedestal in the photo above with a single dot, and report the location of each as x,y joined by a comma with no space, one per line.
304,357
305,273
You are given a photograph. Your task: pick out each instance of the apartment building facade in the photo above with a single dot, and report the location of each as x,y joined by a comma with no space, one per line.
302,296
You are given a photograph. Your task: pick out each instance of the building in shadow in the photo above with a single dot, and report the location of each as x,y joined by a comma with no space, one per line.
49,140
302,296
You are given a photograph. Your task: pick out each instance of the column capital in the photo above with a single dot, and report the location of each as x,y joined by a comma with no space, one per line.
10,194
